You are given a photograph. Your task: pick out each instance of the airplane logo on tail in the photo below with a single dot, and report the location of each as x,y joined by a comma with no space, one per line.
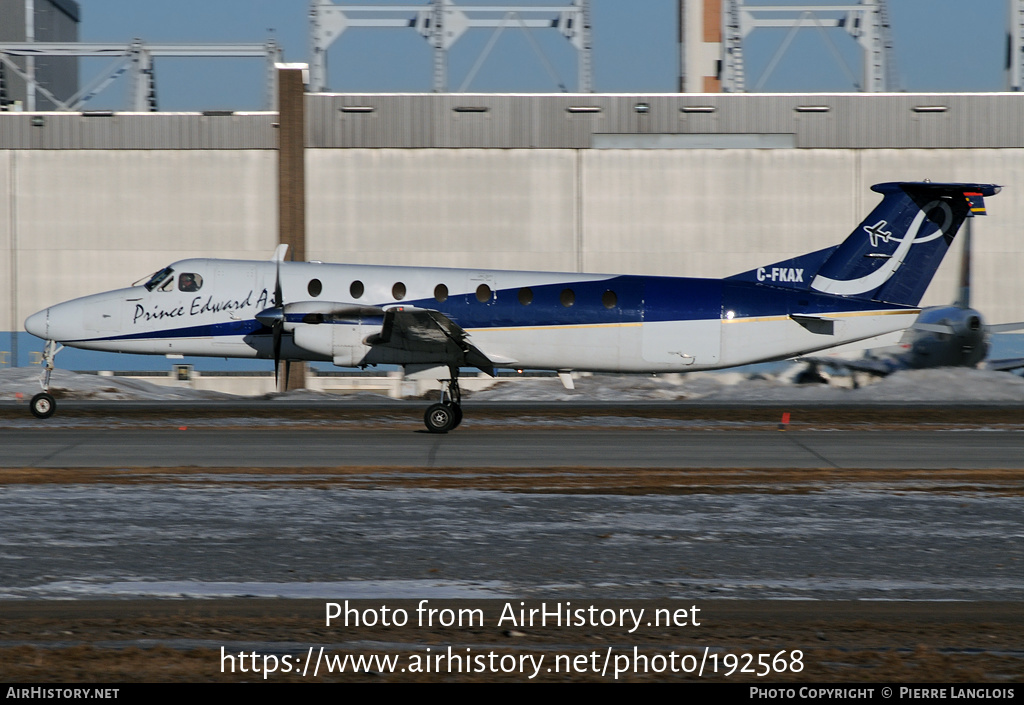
877,231
874,280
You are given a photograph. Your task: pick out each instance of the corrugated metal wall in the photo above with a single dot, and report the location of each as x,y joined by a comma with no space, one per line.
106,130
856,121
559,121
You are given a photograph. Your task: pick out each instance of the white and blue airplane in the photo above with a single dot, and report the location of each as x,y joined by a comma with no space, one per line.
436,320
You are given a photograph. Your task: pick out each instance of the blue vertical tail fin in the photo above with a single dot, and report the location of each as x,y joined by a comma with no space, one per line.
894,253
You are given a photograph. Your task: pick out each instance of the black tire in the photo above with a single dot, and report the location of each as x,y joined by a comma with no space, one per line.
457,410
439,418
43,405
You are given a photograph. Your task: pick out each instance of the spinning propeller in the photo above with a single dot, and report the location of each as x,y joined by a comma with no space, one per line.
274,318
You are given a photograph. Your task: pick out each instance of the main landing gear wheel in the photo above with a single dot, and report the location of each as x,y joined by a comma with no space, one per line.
43,405
446,415
440,418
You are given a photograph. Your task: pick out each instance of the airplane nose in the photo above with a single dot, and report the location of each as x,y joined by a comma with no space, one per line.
38,324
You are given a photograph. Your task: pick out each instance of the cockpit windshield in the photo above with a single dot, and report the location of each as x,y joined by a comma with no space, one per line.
158,278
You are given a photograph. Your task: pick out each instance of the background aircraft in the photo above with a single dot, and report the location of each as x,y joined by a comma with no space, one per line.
434,321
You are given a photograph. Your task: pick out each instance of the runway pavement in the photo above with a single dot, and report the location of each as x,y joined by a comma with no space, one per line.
514,448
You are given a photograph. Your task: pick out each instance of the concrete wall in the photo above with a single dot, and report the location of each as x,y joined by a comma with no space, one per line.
84,221
670,212
511,209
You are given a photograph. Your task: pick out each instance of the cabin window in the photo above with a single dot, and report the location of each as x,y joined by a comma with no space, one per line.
568,297
398,291
483,293
441,292
609,299
526,296
189,282
356,290
315,287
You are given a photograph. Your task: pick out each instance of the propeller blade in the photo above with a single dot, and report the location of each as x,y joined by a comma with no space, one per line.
278,324
278,297
277,350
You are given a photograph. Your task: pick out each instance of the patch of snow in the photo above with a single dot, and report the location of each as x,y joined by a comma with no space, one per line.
938,385
953,384
24,381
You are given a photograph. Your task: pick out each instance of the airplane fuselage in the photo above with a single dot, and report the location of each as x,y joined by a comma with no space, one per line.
534,320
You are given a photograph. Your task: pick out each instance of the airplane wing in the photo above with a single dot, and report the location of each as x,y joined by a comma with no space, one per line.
430,332
1005,365
1005,327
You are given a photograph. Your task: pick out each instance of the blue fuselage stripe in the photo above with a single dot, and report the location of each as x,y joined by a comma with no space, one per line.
636,299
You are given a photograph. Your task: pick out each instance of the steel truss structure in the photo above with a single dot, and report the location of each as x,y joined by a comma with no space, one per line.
867,21
442,23
136,59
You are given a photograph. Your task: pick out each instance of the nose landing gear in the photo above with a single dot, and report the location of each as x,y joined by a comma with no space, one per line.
43,405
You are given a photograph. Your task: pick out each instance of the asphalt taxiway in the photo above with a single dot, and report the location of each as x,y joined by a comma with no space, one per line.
525,447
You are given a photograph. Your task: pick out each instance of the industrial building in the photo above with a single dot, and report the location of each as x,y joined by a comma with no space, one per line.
679,184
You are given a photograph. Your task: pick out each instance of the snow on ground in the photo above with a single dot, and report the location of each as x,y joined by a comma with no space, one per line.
24,381
913,386
942,385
